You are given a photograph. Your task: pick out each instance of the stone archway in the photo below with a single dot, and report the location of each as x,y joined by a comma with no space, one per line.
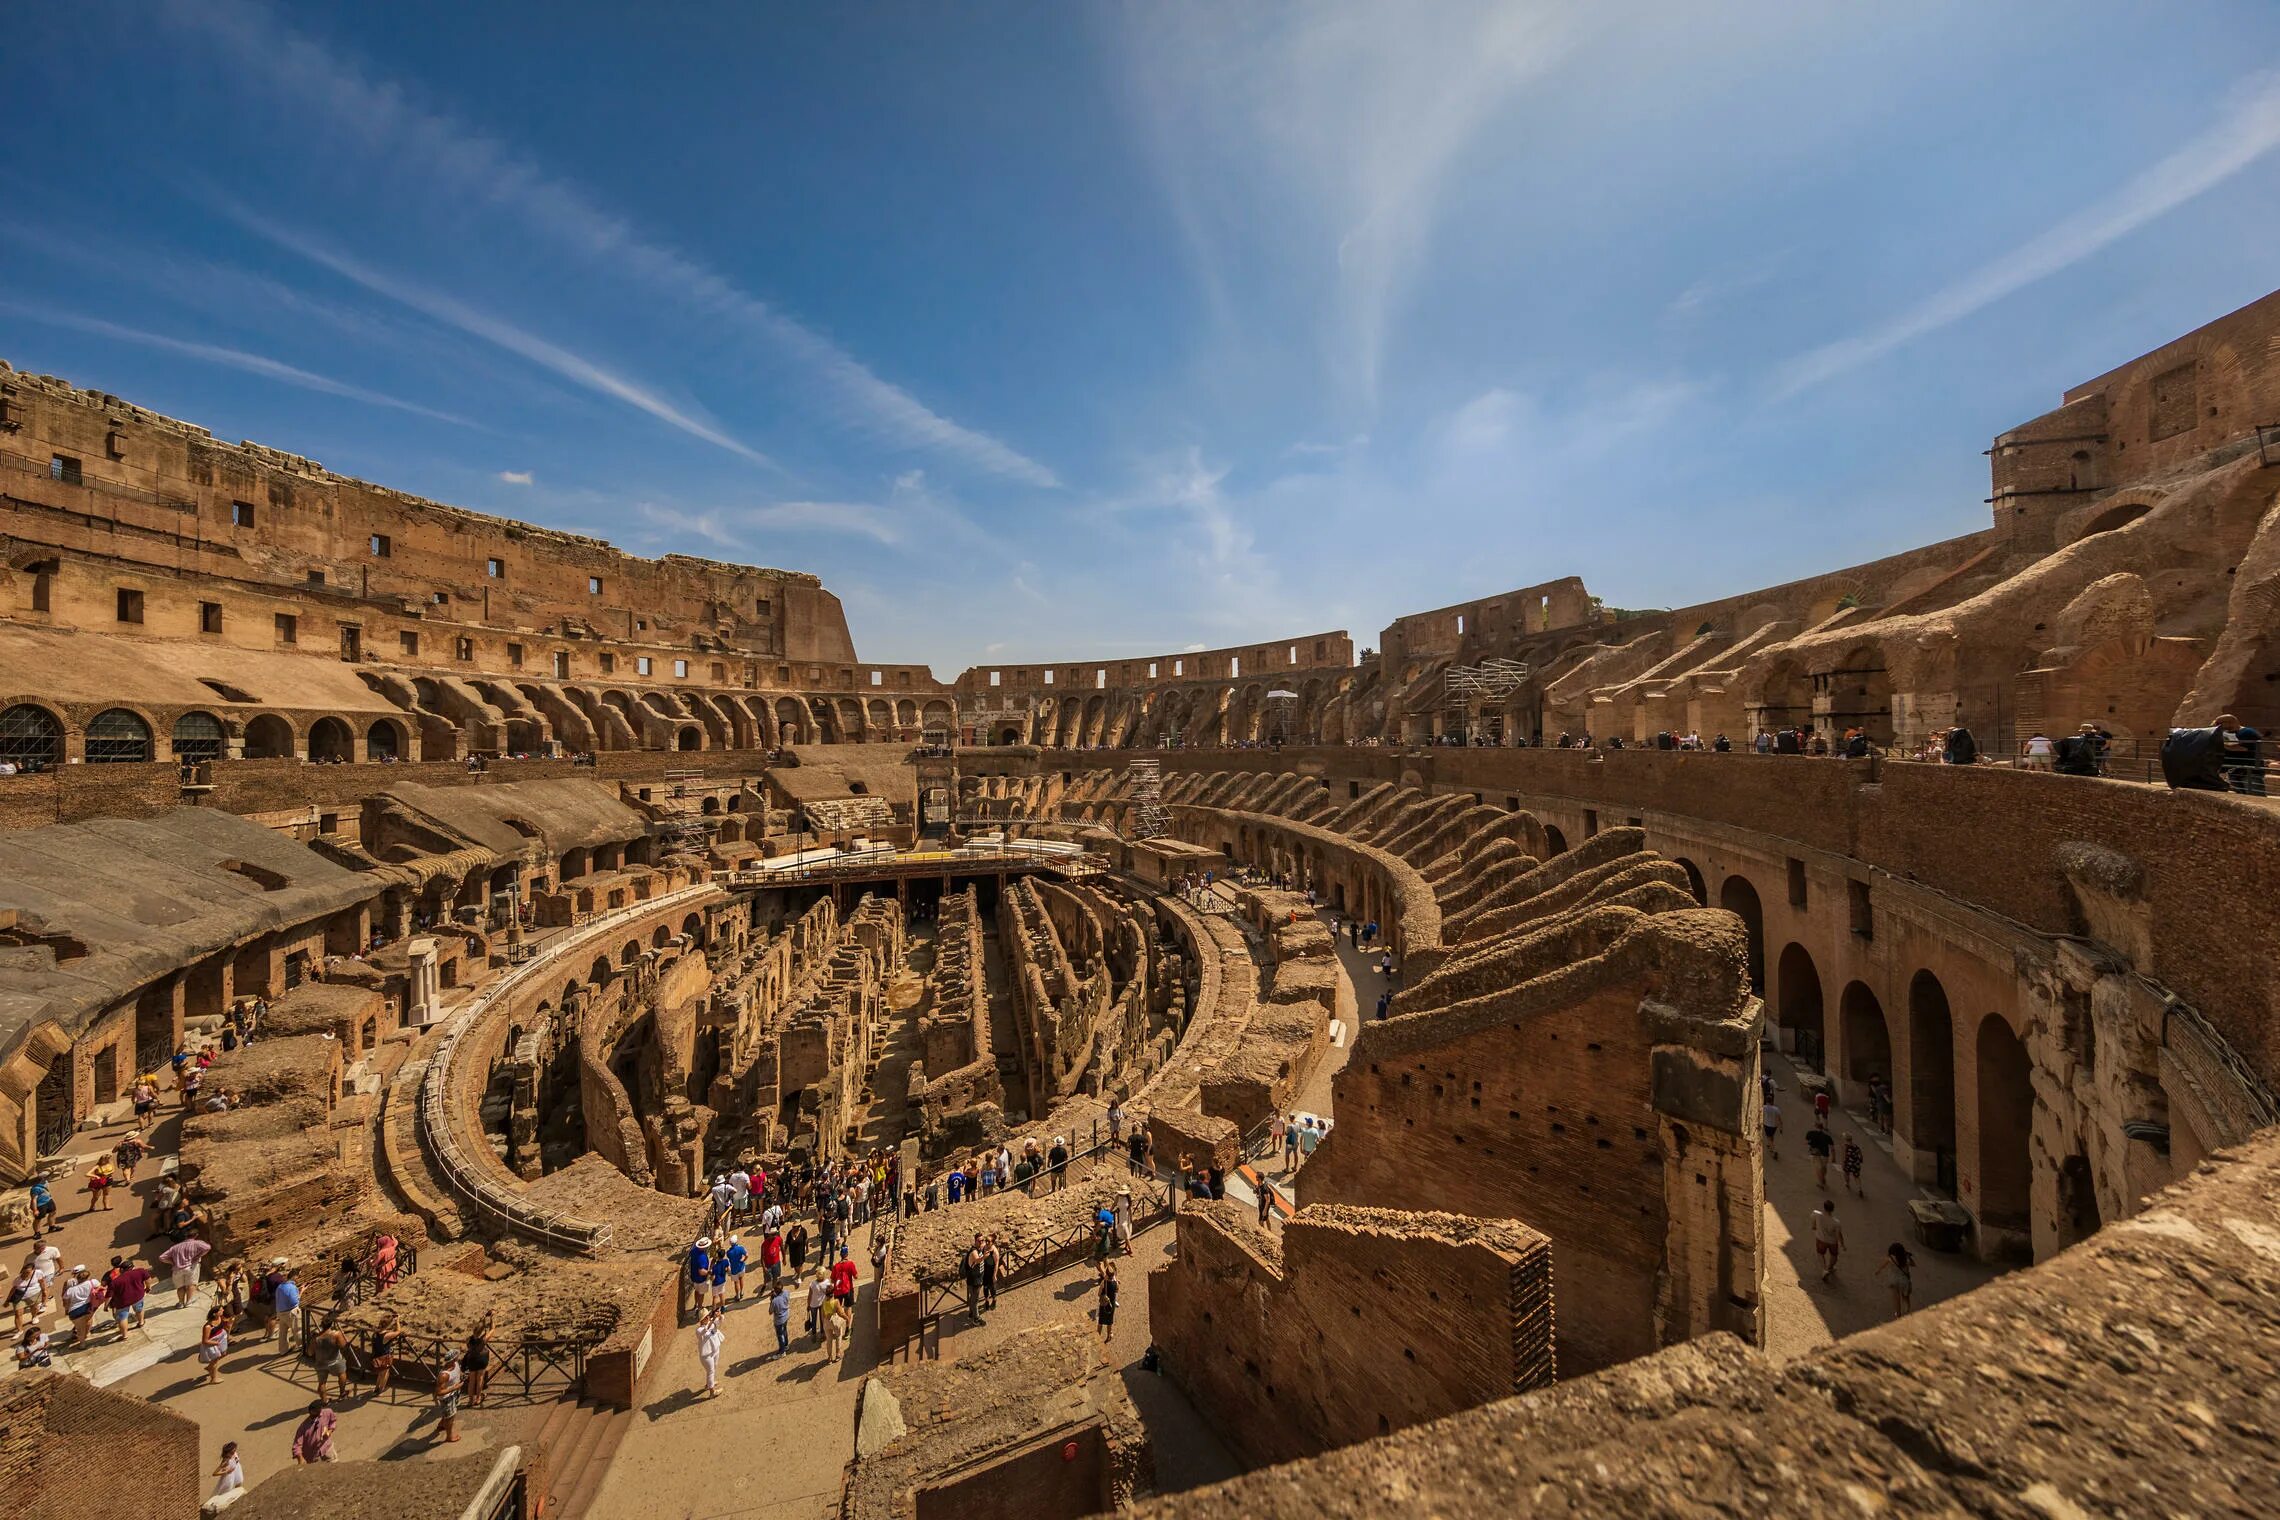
1740,898
331,739
1867,1042
1931,1081
268,737
1694,881
2004,1201
1798,1004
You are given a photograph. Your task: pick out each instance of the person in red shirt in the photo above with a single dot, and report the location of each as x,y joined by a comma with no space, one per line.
843,1281
772,1258
124,1288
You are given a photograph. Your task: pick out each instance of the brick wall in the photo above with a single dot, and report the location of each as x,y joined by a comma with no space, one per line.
1357,1322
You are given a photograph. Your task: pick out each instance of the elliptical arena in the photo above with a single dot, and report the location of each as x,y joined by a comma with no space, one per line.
1432,1042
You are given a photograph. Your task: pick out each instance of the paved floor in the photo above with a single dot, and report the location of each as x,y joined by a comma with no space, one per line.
1801,1311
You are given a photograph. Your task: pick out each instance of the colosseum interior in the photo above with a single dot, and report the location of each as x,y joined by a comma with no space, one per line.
524,893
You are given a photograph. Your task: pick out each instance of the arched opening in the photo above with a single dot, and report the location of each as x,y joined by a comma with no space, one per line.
660,937
268,737
1554,840
1009,735
1798,1004
690,738
1868,1044
522,736
1931,1081
2006,1118
117,737
384,740
197,737
31,738
596,974
2113,517
1694,881
1739,898
331,739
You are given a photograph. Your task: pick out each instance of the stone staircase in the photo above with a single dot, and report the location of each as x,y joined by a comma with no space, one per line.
575,1443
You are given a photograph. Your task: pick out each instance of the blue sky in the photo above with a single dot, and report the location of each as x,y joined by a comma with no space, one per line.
1046,331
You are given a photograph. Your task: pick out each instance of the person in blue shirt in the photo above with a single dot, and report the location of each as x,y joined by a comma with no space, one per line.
780,1310
285,1312
736,1260
43,1208
719,1279
700,1266
957,1182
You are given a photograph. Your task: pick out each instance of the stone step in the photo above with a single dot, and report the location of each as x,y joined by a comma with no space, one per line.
583,1457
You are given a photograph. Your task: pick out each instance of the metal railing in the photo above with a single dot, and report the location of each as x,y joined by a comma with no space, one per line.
507,1209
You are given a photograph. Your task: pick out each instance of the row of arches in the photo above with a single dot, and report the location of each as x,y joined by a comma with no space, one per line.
33,737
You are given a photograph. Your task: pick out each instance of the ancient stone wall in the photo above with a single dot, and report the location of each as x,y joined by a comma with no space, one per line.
1355,1322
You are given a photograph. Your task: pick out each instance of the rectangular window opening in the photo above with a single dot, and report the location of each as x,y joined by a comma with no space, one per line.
593,585
241,513
496,569
408,642
681,668
1796,883
209,617
380,546
288,628
130,605
64,468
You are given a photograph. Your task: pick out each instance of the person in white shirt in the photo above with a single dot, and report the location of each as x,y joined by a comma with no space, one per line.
741,1181
230,1475
2037,752
723,1196
709,1339
818,1292
771,1219
1828,1237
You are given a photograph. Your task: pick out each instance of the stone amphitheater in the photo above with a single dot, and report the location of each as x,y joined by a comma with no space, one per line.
1463,1052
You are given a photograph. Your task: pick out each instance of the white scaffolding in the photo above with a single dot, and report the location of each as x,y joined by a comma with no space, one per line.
1150,817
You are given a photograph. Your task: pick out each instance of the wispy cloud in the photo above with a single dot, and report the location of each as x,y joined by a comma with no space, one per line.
2247,131
1350,121
233,358
479,173
857,518
575,368
516,477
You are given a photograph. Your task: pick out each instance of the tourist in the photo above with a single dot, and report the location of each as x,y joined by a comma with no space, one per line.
44,1214
386,1337
79,1297
709,1339
1820,1145
1141,1148
1266,1202
837,1325
182,1261
99,1185
28,1295
124,1287
328,1353
1291,1132
313,1441
1854,1156
970,1267
214,1342
2037,753
1821,1106
1115,1121
128,1154
1385,1001
475,1361
1309,1139
1057,1159
284,1304
796,1248
145,1097
2083,753
723,1196
740,1184
736,1260
1828,1238
383,1261
843,1276
780,1310
1276,1130
1105,1314
818,1294
720,1277
990,1261
33,1349
700,1269
449,1383
771,1257
1773,1130
230,1475
1124,1220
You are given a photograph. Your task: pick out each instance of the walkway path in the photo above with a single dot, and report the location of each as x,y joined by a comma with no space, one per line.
1802,1312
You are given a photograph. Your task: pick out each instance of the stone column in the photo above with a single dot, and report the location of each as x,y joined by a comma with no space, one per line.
421,1005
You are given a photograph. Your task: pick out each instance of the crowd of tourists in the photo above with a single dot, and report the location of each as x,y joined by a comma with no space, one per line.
1895,1270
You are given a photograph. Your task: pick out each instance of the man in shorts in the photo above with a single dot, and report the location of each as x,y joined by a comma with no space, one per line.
1828,1238
1820,1145
1773,1131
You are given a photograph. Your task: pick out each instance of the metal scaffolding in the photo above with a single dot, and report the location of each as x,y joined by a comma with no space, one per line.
1150,817
1474,695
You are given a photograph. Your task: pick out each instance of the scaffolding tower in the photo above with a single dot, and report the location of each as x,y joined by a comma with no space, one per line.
1479,692
1150,817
